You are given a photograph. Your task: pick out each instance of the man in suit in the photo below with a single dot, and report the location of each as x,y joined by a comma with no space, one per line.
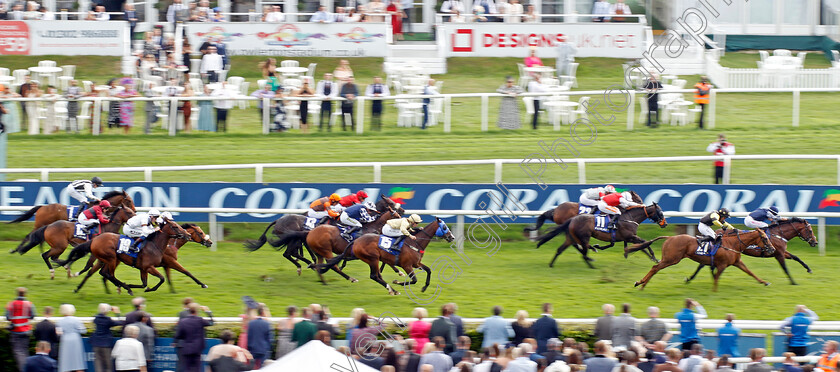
496,329
554,352
653,330
349,91
444,328
146,336
674,356
139,304
185,312
190,337
304,330
409,359
41,361
600,362
603,326
260,335
545,328
377,89
757,354
623,328
45,331
328,89
455,319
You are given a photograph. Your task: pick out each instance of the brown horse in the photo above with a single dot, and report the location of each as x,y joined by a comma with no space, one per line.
325,240
59,234
779,234
732,245
366,248
104,248
565,211
581,228
169,261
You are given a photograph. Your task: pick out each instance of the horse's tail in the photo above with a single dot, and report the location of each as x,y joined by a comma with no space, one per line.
27,215
547,215
79,252
34,238
335,260
289,238
253,245
554,232
640,246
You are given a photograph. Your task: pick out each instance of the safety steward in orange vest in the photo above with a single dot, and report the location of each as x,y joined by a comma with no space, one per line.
18,313
701,97
828,361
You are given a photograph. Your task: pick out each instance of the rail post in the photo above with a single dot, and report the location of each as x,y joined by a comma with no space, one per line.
211,219
45,175
377,173
727,169
173,116
360,115
838,170
459,232
447,116
712,105
796,108
95,116
581,171
484,103
821,235
258,173
266,102
631,112
147,174
498,171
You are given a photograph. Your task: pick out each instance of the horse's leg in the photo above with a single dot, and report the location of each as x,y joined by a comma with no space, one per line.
655,269
560,250
376,277
289,256
740,264
320,262
46,257
717,275
144,279
167,271
585,247
88,265
699,267
411,276
336,269
428,276
152,270
96,268
108,271
396,270
604,247
783,264
795,258
177,266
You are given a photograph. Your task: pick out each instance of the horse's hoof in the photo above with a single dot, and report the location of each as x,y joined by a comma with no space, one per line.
76,290
354,280
637,284
130,292
12,251
396,281
148,290
400,273
394,293
204,286
766,284
809,271
299,271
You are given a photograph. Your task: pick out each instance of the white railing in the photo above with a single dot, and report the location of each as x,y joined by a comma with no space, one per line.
259,168
726,77
567,17
217,231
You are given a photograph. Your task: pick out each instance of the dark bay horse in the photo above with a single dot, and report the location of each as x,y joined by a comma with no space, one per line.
169,261
565,211
104,248
59,234
779,234
366,248
733,243
294,223
580,229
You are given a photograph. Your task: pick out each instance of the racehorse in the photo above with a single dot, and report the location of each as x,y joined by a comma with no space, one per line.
47,214
779,234
675,248
580,229
292,223
366,248
169,261
104,248
325,240
61,233
566,211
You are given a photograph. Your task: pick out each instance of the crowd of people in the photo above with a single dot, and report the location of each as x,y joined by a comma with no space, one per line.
623,343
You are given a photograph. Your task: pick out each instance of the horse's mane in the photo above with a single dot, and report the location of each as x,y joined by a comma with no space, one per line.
188,225
113,193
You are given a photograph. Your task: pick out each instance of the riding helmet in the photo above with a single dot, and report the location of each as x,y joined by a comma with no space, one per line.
361,194
105,204
154,212
370,205
609,188
774,210
723,212
96,181
335,198
415,218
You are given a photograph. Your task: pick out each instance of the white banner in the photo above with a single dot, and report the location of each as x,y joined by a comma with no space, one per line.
63,38
617,40
296,39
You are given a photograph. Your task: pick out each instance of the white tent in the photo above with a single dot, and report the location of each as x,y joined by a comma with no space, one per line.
316,357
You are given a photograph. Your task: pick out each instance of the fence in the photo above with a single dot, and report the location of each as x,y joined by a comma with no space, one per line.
726,77
498,164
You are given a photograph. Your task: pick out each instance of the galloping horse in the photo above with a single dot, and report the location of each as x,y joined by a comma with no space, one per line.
566,211
61,233
169,261
675,248
292,223
104,248
581,228
779,234
366,248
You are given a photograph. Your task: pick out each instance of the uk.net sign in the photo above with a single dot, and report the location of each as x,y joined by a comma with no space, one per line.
515,39
683,198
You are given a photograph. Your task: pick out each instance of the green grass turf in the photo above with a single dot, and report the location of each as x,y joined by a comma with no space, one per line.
517,277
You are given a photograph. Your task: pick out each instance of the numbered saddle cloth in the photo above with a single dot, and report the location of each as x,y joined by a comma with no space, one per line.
71,212
601,222
585,209
79,231
125,244
386,243
343,230
706,248
310,223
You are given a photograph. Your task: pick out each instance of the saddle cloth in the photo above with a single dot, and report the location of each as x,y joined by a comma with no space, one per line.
601,223
71,211
583,209
706,248
386,243
343,230
125,243
79,231
310,223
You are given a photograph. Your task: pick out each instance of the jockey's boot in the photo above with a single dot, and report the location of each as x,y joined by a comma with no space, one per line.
613,220
717,240
136,246
322,220
351,233
79,210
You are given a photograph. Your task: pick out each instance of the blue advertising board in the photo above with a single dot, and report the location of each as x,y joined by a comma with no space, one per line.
683,198
164,357
815,342
710,341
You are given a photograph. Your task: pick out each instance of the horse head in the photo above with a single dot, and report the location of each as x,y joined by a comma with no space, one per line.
173,230
123,197
388,202
803,230
443,231
120,214
197,235
657,215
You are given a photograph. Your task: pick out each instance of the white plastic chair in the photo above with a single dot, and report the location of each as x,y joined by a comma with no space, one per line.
311,72
195,65
801,56
781,53
529,105
763,54
583,102
243,90
19,76
61,114
196,84
64,82
679,114
289,63
87,85
84,114
47,63
679,83
572,76
292,83
835,56
261,84
4,71
643,107
68,70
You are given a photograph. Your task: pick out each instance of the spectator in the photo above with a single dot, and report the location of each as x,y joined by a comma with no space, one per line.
623,329
222,106
146,335
176,13
321,16
695,358
723,364
324,337
139,304
720,148
565,56
701,97
756,355
521,328
304,331
328,90
658,355
377,89
457,17
355,318
652,87
440,361
227,363
619,8
495,329
204,6
509,107
353,16
407,7
531,15
323,323
452,7
100,14
128,352
444,327
829,360
789,365
71,354
343,71
374,10
370,354
553,352
418,330
32,107
19,312
601,362
363,335
603,326
671,365
218,16
101,339
429,90
264,92
461,350
545,328
228,349
688,323
653,330
536,86
728,336
532,60
528,348
260,335
16,14
521,362
41,361
340,14
601,7
211,64
459,323
275,16
304,91
191,335
46,15
130,16
284,333
628,362
349,91
478,14
45,331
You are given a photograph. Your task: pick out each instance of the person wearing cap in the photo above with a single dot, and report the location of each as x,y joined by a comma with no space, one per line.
591,196
720,148
756,219
324,207
610,204
95,215
714,218
354,216
353,199
141,226
82,190
398,228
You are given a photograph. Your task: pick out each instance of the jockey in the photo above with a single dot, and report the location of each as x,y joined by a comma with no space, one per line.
323,207
354,216
141,226
610,204
95,215
716,218
353,199
757,217
82,190
398,228
591,197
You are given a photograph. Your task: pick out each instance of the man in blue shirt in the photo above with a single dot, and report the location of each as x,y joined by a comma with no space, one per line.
796,328
41,361
728,336
495,329
688,323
